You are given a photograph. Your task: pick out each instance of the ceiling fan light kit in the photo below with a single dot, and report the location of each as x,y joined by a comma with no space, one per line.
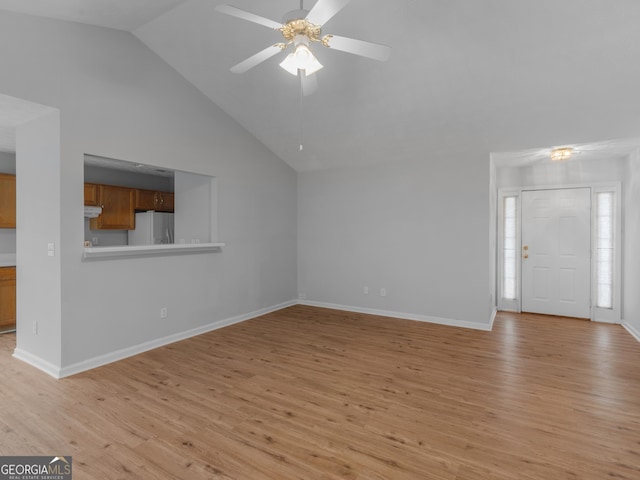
301,58
301,28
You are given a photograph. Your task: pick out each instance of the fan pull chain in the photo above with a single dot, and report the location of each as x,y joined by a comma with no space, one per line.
301,111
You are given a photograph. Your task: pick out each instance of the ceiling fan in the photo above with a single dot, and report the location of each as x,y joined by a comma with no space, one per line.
299,29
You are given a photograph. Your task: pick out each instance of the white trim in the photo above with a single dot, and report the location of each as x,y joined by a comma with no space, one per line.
146,250
123,353
635,333
127,352
403,316
597,314
492,318
47,367
599,319
607,315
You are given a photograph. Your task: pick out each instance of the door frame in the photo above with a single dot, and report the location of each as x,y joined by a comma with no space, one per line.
607,315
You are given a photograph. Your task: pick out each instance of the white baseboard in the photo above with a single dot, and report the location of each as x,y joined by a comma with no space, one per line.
635,333
404,316
493,318
123,353
47,367
606,320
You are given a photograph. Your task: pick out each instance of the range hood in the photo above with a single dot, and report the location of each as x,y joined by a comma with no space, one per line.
92,212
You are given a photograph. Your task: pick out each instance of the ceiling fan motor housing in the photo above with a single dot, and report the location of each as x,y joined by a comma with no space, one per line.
297,25
294,15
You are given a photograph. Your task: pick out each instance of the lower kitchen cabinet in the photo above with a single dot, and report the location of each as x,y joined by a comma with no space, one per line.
7,298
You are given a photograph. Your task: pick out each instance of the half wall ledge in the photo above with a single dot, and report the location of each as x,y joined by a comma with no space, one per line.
95,253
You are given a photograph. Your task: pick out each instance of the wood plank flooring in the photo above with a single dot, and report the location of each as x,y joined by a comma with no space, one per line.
309,393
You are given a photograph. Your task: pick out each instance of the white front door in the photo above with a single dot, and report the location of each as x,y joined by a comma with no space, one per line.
556,252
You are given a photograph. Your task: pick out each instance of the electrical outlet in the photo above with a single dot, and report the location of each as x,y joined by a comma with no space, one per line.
34,327
163,312
383,292
366,290
302,296
94,240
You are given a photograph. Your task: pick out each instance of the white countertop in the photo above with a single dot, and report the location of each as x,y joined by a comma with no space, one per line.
7,259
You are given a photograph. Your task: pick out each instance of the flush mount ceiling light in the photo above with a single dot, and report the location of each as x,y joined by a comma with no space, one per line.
301,28
560,154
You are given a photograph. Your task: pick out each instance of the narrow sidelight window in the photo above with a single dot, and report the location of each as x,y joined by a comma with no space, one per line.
604,249
509,250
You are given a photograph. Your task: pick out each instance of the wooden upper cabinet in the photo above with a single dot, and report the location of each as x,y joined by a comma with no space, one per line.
165,201
152,200
117,209
7,201
145,200
91,192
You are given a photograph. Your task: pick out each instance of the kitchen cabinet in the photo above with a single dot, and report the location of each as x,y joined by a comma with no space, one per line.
152,200
165,202
7,201
91,192
145,200
7,298
117,209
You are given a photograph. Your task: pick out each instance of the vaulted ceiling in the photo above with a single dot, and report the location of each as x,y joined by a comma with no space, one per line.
465,76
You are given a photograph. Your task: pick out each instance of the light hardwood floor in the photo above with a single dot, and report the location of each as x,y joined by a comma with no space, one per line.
309,393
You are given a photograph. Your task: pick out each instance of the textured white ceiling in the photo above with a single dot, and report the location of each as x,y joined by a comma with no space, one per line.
118,14
465,78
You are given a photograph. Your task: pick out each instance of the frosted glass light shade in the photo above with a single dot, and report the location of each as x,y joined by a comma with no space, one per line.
301,59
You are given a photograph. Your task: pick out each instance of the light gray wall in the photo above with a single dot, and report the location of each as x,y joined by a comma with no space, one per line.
419,229
7,240
7,162
105,238
195,198
571,172
119,100
631,269
38,286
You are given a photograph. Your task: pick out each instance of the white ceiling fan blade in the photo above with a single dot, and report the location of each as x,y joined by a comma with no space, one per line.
252,17
375,51
309,83
256,59
324,10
